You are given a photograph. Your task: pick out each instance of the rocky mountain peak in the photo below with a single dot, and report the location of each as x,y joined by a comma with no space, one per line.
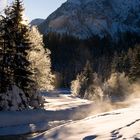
83,18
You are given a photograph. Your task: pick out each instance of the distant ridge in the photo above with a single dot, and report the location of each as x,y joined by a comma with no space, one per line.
83,18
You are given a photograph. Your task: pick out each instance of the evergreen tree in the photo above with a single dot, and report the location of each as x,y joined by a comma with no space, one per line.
83,81
87,85
135,62
17,82
21,45
6,56
11,97
88,74
117,87
1,55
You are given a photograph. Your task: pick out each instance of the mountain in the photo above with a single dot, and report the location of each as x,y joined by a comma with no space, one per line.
84,18
95,30
36,21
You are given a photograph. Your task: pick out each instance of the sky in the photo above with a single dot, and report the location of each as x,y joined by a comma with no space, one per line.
38,8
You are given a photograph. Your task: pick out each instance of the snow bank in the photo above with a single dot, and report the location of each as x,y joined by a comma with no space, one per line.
119,124
67,117
59,108
13,99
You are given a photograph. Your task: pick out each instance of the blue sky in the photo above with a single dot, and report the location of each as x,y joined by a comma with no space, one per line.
40,8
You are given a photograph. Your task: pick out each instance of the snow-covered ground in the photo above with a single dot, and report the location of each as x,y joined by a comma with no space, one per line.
69,118
59,109
119,124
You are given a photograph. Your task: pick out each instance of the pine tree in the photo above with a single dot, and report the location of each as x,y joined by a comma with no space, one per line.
11,97
1,55
83,81
20,47
6,56
87,84
135,64
117,87
88,74
17,82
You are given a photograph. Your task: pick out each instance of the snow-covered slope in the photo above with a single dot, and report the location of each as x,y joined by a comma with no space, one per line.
84,18
37,21
115,125
69,118
59,109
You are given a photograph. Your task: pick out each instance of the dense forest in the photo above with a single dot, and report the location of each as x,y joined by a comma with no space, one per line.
96,68
69,55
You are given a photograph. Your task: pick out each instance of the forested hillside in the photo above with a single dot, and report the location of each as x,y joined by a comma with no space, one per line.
70,54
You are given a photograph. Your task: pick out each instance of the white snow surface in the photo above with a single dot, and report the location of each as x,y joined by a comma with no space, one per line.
119,124
69,118
59,108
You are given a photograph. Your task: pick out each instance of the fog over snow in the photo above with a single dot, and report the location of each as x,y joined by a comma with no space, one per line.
71,118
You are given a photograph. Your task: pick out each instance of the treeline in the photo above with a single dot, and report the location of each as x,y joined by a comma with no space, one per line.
118,85
22,62
70,54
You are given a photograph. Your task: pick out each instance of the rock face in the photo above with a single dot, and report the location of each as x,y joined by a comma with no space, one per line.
84,18
36,22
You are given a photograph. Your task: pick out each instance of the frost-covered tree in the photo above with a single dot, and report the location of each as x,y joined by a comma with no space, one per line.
87,84
94,91
40,60
117,87
83,80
